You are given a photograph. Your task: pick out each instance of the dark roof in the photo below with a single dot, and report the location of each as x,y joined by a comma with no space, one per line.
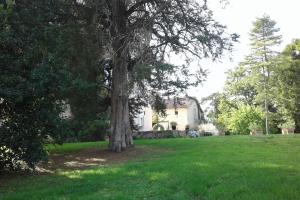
181,103
176,103
198,104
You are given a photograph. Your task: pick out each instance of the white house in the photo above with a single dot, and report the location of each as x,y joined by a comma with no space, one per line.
181,113
144,120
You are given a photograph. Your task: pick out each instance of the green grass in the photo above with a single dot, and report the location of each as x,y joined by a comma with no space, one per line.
233,167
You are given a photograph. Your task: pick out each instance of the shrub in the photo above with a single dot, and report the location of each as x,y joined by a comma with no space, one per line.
289,123
95,130
256,128
32,79
238,120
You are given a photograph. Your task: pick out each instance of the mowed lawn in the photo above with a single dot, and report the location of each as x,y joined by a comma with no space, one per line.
233,167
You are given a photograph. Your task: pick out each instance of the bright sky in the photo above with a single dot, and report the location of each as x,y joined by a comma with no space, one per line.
238,17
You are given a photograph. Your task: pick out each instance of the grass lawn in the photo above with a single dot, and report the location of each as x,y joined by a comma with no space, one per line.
233,167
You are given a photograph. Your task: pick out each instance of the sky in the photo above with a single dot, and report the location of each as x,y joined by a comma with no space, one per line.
238,16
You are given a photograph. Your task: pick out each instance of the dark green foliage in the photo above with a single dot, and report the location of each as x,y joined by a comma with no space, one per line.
32,77
85,91
50,56
95,130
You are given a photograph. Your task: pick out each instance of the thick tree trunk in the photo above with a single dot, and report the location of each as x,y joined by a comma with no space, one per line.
121,135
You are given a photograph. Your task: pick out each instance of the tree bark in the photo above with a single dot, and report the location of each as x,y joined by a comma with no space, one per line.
297,122
121,134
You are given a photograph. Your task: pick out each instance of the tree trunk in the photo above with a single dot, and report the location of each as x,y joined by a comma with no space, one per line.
121,135
297,122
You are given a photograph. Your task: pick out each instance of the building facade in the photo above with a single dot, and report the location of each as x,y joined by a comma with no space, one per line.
181,114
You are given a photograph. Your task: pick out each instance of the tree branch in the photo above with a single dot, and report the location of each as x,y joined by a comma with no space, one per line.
133,8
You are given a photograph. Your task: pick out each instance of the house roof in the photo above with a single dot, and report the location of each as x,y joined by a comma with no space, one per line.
181,103
176,103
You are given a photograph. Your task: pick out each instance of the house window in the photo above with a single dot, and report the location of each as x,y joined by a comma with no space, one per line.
142,121
173,127
176,112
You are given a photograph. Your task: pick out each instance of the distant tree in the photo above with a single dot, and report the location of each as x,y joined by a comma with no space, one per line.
265,77
250,81
286,83
241,85
264,37
215,109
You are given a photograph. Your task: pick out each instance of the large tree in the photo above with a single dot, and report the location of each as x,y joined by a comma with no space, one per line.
142,32
125,46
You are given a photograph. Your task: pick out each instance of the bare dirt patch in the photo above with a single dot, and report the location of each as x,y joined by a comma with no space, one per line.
80,160
92,157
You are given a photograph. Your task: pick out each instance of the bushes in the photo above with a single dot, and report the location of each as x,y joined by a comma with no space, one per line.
23,137
241,119
89,130
94,131
31,81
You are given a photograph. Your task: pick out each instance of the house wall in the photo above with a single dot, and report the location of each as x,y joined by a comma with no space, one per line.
185,116
144,120
181,119
192,114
